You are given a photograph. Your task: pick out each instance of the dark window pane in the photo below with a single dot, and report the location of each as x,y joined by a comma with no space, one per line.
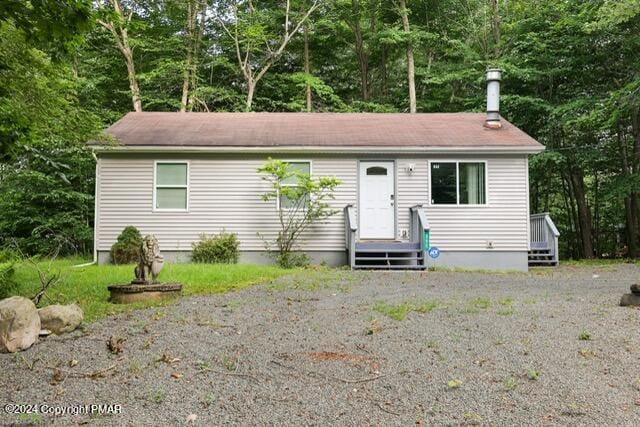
443,183
376,170
472,185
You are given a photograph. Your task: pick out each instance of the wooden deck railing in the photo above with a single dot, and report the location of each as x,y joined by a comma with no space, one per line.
420,230
544,238
350,233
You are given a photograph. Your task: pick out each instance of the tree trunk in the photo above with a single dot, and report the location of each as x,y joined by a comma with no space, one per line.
584,213
571,216
411,71
631,200
121,37
186,77
383,72
596,215
194,34
495,27
363,57
635,195
133,81
632,231
251,86
307,67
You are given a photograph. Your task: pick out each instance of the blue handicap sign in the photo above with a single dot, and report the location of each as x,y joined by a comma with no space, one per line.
434,252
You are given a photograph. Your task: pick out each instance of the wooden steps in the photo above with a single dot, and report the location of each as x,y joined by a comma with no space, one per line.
389,255
542,257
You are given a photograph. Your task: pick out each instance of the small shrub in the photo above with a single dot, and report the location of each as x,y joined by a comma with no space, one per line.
507,302
533,374
293,260
401,311
584,336
481,302
7,284
219,249
510,384
126,249
455,383
586,353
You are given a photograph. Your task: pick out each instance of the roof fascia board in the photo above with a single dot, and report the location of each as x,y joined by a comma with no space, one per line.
100,149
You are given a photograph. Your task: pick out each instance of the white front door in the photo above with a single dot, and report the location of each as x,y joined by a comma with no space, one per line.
377,200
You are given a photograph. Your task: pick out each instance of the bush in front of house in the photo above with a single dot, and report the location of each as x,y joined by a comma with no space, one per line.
293,260
219,249
301,200
126,249
7,284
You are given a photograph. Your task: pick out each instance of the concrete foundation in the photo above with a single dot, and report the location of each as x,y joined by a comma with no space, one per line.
476,260
482,260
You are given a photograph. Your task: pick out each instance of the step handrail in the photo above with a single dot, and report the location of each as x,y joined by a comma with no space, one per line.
420,229
544,234
350,233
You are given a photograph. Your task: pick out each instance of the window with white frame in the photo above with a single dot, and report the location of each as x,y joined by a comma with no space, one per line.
171,186
297,167
458,183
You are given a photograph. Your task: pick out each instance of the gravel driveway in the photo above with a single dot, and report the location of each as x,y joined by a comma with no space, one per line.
319,348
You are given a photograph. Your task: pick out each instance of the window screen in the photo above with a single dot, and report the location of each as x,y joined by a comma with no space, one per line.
472,186
171,186
292,181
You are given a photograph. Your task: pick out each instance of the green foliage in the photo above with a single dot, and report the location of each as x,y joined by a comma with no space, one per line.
401,311
7,283
308,203
570,81
584,336
293,260
87,286
7,255
46,172
455,383
219,249
126,249
533,374
48,22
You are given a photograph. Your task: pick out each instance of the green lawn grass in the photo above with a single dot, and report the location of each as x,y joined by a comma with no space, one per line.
87,286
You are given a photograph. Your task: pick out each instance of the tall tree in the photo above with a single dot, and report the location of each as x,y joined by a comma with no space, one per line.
116,23
411,69
307,68
257,50
196,15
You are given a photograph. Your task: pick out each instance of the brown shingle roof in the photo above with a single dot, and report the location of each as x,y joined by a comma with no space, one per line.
330,130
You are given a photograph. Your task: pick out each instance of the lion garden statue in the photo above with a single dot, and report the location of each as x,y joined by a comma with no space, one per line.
150,262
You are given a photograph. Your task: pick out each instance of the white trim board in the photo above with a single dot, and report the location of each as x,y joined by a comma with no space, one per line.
317,149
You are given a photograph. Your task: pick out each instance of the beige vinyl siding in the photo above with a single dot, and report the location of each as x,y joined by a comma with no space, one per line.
225,193
503,221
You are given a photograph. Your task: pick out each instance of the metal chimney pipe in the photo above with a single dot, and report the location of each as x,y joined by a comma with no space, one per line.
494,76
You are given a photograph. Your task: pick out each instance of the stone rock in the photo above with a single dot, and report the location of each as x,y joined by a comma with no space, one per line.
630,300
635,289
60,319
19,324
